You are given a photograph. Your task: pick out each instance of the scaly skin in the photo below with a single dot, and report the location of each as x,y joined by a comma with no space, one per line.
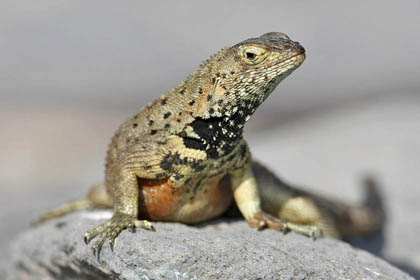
183,158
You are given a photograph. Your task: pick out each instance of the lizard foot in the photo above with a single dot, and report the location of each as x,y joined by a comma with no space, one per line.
265,220
112,228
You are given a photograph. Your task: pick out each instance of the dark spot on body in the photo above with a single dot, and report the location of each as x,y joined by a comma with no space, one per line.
167,115
230,158
211,110
167,162
243,151
135,125
212,153
200,90
151,122
209,97
171,159
224,75
163,101
153,132
232,72
161,175
197,166
182,91
167,125
197,187
213,80
178,176
191,102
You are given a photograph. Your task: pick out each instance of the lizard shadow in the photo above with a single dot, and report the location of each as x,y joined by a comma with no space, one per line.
375,244
410,269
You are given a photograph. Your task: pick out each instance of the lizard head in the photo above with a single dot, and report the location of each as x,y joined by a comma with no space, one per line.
228,87
246,73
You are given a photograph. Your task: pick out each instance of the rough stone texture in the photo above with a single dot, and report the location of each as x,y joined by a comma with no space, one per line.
221,250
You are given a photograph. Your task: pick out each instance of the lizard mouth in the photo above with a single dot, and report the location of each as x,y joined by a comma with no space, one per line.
285,67
292,62
299,57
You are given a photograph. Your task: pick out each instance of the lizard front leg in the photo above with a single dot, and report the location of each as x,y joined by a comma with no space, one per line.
245,192
125,213
125,193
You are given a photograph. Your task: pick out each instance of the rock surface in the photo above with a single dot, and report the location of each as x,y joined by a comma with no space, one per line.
224,249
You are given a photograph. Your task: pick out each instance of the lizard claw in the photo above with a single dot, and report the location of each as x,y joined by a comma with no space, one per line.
96,250
112,228
262,220
111,244
144,224
311,231
316,232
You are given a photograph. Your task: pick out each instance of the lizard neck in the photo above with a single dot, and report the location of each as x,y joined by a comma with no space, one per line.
219,135
215,135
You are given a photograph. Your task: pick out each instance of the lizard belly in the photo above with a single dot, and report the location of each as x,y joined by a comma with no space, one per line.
161,201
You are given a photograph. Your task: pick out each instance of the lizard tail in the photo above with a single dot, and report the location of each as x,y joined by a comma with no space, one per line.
96,197
366,219
335,218
62,210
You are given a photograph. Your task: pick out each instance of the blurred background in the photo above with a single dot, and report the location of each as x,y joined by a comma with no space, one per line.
72,71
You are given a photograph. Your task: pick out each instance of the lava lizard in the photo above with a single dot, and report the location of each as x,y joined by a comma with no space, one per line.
182,158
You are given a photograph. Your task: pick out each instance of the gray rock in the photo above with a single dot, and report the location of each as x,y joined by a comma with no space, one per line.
223,249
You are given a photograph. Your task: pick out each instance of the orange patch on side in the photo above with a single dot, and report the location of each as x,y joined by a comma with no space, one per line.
157,199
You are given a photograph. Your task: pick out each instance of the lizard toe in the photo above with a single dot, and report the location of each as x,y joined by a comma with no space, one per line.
112,228
264,220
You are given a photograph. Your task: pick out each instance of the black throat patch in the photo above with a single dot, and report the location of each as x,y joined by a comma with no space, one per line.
218,136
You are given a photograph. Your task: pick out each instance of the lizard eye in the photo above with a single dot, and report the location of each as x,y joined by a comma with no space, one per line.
250,56
253,54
